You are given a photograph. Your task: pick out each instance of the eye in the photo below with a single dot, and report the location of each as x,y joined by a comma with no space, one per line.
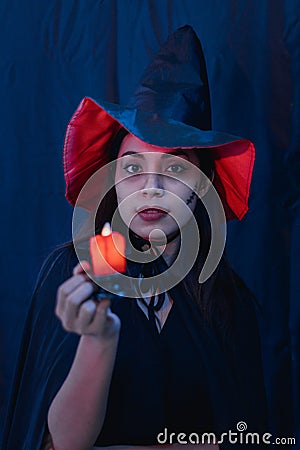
132,168
176,168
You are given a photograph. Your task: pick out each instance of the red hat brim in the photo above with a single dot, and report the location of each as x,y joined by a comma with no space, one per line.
93,127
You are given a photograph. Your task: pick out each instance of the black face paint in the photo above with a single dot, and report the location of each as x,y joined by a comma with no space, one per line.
191,197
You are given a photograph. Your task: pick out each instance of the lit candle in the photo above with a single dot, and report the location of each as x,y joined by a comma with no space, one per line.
108,252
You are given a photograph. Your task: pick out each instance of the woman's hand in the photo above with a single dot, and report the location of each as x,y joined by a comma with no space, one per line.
77,412
79,313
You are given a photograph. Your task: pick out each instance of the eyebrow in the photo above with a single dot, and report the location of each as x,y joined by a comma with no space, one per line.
165,155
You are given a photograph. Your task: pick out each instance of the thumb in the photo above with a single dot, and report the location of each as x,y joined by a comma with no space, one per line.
103,306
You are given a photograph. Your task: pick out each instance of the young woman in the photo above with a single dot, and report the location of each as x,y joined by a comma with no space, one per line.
144,170
178,359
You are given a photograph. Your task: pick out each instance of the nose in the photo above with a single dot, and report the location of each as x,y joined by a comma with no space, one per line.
153,186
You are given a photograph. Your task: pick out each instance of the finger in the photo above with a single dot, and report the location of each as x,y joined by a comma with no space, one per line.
65,290
71,284
86,315
103,305
101,312
81,267
105,322
73,303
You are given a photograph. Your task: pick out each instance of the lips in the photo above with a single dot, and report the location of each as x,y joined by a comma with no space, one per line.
151,214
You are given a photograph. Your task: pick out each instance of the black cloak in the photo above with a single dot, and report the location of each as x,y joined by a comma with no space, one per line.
187,379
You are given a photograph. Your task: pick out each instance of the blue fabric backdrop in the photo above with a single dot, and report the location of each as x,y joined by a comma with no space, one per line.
55,53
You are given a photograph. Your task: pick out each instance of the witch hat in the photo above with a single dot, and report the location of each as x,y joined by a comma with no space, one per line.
171,109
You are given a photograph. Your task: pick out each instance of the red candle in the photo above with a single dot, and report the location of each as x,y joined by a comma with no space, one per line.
108,252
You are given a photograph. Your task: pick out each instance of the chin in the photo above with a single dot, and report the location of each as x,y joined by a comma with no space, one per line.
154,232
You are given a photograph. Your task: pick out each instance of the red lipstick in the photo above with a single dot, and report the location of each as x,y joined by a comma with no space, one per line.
151,214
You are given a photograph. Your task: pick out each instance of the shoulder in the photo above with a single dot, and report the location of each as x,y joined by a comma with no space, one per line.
236,311
247,308
60,262
232,285
245,329
56,268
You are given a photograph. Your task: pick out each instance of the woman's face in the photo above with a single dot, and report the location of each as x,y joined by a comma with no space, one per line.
155,186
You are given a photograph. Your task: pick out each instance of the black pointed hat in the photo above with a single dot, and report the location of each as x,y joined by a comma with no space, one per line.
171,109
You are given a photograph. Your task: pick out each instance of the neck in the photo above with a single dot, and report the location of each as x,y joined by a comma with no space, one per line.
170,250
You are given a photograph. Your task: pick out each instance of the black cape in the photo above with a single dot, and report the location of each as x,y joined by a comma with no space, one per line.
185,379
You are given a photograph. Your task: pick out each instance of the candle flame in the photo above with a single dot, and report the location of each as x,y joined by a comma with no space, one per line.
106,230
